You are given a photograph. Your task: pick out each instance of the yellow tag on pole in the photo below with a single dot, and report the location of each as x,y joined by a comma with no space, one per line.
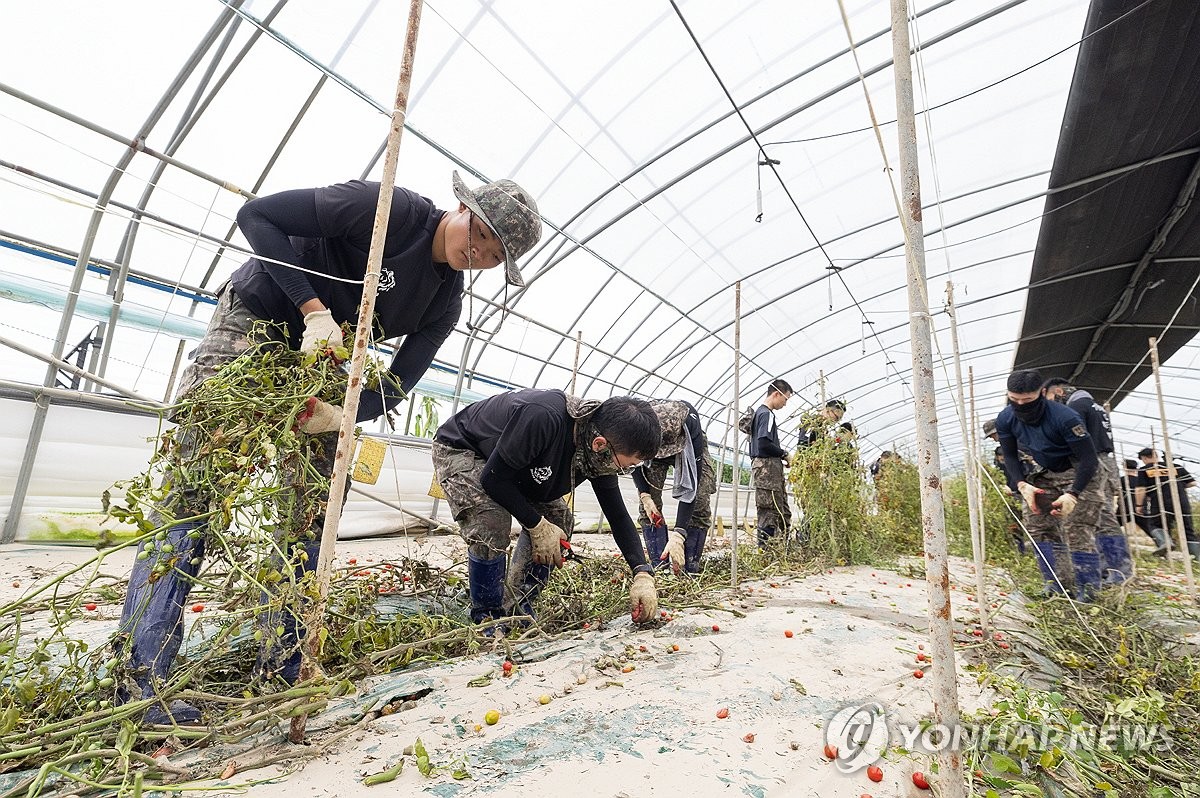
370,461
720,527
435,489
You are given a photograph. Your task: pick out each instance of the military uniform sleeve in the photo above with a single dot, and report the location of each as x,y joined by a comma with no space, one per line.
1008,446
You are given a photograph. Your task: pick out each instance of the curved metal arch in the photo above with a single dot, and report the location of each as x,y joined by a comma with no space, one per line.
749,137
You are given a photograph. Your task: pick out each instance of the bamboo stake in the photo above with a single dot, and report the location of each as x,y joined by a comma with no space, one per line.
1123,496
972,476
315,626
977,449
1171,474
937,566
737,454
575,366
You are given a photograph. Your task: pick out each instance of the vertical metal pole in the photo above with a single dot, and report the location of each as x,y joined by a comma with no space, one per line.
575,367
933,521
1180,535
737,454
366,309
971,475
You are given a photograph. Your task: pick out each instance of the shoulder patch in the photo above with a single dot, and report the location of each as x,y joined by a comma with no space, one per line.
1079,431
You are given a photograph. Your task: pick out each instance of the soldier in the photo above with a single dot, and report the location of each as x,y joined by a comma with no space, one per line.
1062,502
767,459
831,414
1116,564
517,455
311,248
685,447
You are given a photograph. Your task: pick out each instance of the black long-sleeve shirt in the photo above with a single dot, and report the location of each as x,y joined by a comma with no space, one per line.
1058,442
527,439
764,434
328,232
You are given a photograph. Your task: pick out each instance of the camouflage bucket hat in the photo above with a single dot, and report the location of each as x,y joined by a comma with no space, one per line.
512,214
989,428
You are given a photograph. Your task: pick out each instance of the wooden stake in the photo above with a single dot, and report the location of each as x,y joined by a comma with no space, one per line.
575,368
315,625
933,520
1180,535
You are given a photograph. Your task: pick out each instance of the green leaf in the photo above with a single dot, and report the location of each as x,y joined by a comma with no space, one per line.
1003,764
423,763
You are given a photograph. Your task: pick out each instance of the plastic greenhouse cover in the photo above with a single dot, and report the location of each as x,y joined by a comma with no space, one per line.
646,176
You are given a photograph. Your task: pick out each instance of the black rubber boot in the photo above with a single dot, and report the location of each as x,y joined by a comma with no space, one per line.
765,535
151,628
486,578
656,541
693,549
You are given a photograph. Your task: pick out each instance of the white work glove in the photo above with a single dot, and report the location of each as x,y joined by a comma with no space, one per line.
320,331
651,509
545,537
318,417
674,549
1064,506
1029,494
643,598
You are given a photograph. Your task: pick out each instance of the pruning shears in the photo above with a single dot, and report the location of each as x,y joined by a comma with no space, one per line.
568,553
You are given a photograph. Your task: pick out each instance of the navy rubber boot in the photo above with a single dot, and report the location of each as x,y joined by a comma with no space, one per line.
765,535
536,577
1045,562
1087,574
151,628
656,541
1160,540
486,578
693,549
1115,562
280,655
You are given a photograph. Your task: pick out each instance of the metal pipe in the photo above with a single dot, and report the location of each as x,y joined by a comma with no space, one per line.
366,312
971,476
737,459
1180,534
937,568
975,450
58,363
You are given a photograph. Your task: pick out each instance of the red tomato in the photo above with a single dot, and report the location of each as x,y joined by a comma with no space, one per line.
874,773
918,674
787,633
507,666
197,608
716,628
749,738
919,779
830,751
90,607
723,712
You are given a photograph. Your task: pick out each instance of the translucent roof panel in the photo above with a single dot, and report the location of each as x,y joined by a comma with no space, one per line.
639,127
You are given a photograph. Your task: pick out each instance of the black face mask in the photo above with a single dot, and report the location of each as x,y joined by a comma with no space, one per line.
1030,412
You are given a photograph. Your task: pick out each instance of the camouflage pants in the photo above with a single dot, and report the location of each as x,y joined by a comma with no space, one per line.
655,472
1110,490
770,494
485,525
1077,530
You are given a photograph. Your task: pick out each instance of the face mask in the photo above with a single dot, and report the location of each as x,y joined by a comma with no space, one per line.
1030,412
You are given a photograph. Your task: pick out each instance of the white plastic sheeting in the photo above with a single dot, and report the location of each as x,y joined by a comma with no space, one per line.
646,177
